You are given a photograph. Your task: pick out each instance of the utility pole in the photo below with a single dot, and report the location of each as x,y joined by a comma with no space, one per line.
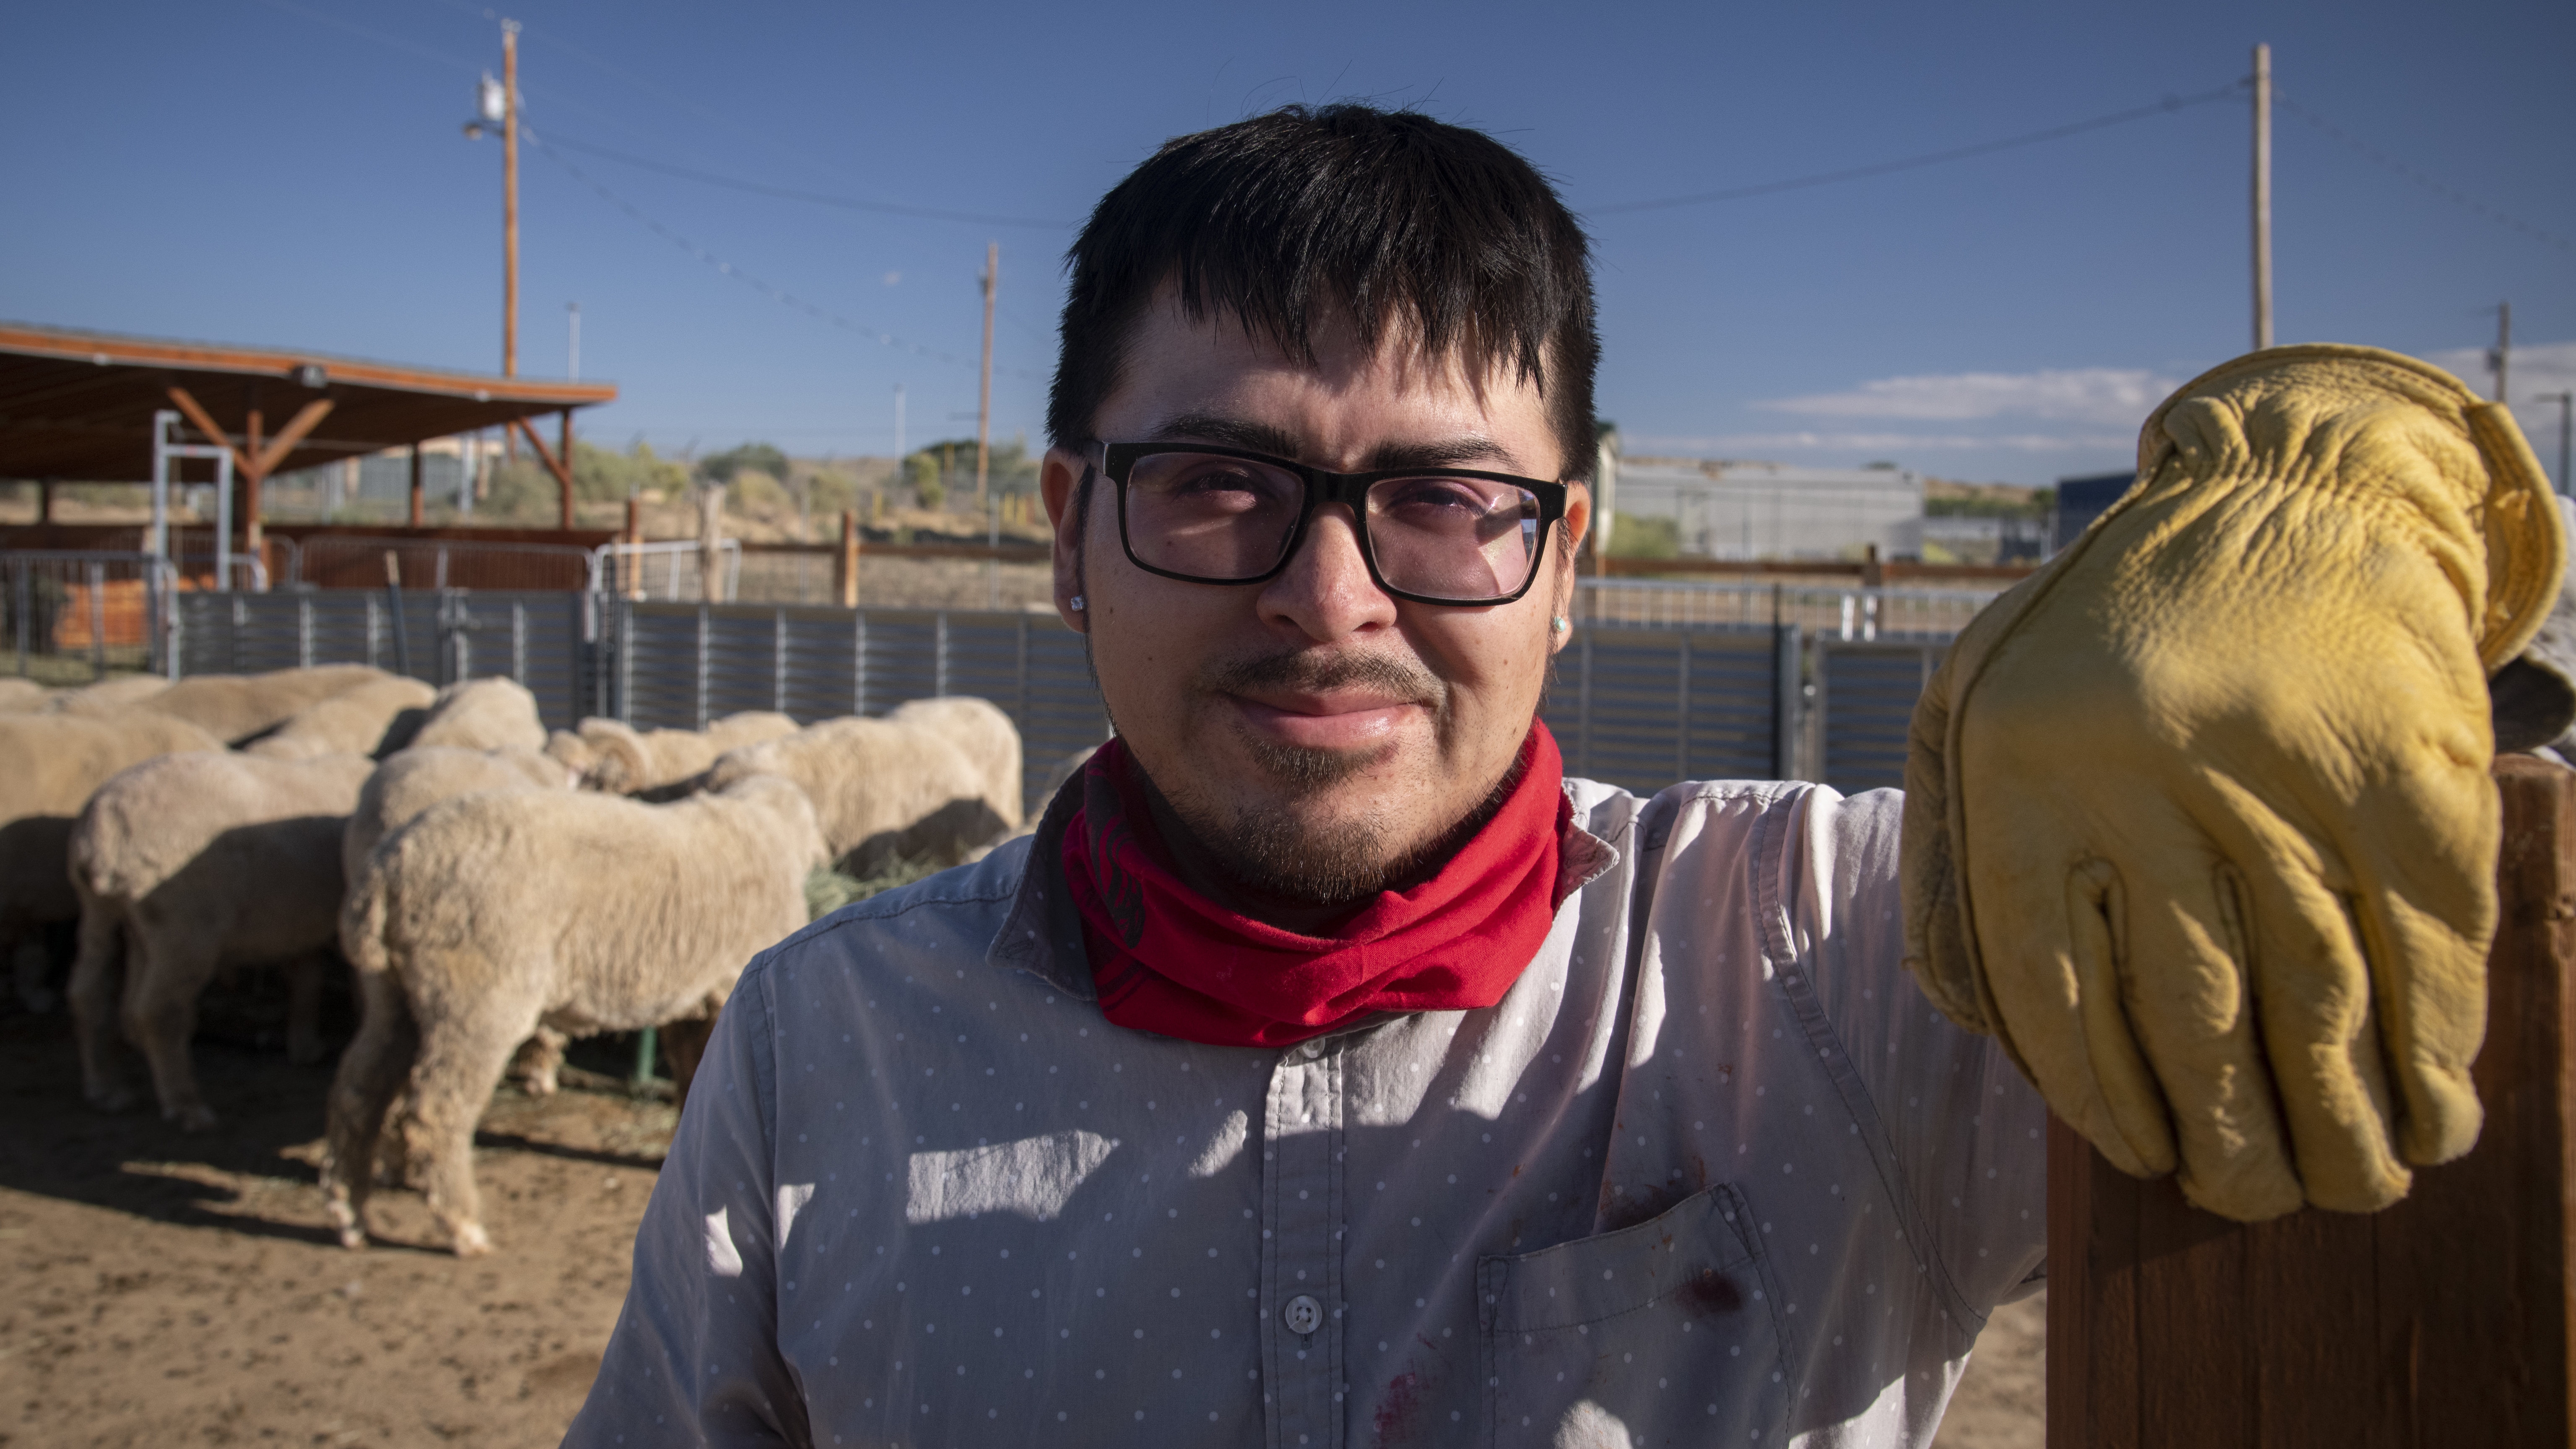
2262,197
510,198
899,454
2566,426
984,407
2502,358
572,369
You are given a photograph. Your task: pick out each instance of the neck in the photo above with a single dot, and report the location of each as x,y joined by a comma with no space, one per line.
1199,867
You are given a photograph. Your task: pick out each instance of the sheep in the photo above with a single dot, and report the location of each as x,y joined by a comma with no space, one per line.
979,729
412,780
617,758
374,719
23,696
483,714
112,695
489,914
189,864
57,760
235,708
883,791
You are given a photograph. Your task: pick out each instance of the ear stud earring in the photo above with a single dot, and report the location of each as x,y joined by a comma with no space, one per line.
1076,602
1555,622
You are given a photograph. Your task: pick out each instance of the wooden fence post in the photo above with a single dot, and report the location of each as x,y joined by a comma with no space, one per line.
845,574
2443,1320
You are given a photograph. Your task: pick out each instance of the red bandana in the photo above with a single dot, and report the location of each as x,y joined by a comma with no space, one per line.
1170,961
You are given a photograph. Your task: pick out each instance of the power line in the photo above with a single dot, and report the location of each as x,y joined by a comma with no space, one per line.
776,294
2167,106
2442,189
790,193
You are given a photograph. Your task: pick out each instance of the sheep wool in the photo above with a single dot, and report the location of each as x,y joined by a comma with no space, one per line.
490,914
483,714
56,762
415,779
23,696
985,735
884,792
235,707
188,864
108,696
374,719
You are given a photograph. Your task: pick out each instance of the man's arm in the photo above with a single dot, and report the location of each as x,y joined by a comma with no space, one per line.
694,1358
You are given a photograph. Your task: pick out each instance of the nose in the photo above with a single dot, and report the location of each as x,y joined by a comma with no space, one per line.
1325,591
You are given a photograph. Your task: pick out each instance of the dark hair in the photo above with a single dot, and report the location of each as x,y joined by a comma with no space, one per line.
1409,222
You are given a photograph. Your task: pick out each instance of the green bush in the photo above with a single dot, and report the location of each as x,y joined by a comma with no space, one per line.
761,456
601,475
1637,537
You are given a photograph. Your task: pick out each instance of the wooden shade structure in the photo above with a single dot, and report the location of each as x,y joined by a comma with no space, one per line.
78,407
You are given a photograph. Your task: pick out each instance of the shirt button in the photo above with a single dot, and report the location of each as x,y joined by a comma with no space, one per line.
1303,1315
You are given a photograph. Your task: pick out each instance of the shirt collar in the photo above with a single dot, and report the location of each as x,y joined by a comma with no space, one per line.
1042,933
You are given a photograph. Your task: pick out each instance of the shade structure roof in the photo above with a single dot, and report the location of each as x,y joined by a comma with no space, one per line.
78,405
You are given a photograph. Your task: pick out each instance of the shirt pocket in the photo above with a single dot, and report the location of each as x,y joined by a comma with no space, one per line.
1664,1333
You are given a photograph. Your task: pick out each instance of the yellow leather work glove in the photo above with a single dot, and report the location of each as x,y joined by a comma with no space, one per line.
2198,818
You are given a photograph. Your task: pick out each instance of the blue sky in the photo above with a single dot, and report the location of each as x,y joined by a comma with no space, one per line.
292,172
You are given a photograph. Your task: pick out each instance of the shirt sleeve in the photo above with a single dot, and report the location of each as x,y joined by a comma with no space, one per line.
1969,1135
694,1358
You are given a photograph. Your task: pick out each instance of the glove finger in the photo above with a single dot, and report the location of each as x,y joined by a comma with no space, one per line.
2426,917
2051,985
2185,981
2312,991
1936,946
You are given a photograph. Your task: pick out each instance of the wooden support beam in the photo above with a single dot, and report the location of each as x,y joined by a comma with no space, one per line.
249,482
561,467
2443,1320
416,488
45,501
204,422
306,419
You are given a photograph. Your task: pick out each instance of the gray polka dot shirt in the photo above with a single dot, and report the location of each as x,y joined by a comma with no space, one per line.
1713,1173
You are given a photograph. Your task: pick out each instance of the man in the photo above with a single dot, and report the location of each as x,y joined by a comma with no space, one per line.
1328,1069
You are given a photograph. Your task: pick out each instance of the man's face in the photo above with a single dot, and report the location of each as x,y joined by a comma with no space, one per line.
1315,735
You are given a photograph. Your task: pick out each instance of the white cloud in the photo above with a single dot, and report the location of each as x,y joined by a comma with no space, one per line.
2105,396
2549,367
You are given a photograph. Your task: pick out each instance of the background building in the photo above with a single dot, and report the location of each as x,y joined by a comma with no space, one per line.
1744,510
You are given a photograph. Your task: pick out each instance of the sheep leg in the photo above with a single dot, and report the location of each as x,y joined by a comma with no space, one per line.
304,1007
686,1041
537,1061
461,1061
97,975
372,1071
162,985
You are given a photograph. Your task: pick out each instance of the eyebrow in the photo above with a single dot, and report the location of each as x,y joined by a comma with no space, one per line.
1461,450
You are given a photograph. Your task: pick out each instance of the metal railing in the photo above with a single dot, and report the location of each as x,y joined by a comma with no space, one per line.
80,614
1842,613
629,569
1632,703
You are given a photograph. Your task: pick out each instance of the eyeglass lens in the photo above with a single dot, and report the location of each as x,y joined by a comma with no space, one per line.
1223,519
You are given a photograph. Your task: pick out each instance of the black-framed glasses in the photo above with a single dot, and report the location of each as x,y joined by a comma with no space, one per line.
1213,515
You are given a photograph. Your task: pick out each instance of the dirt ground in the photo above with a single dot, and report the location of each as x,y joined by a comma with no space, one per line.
168,1288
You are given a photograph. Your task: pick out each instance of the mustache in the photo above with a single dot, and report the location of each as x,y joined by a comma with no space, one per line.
1321,671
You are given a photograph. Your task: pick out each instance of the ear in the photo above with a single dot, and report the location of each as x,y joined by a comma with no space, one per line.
1578,526
1059,483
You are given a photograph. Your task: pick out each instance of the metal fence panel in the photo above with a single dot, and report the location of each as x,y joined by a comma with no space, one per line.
534,638
1865,694
1644,708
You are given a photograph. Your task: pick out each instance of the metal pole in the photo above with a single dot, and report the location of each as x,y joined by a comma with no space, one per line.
2566,418
223,521
2502,358
984,405
159,539
2262,197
